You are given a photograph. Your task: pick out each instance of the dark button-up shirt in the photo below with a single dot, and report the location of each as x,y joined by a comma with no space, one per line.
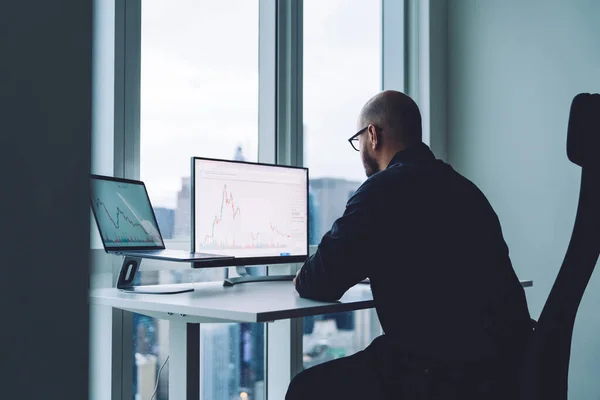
432,247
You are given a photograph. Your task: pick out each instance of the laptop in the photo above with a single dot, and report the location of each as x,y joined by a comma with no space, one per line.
127,223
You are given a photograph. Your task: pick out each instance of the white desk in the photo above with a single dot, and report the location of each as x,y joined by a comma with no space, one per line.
248,302
213,303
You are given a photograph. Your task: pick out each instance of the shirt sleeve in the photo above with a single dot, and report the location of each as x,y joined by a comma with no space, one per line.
340,261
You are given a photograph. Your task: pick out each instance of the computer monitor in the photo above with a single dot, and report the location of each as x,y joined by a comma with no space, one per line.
257,213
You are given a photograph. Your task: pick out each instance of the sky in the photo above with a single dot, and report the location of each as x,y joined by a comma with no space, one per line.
199,85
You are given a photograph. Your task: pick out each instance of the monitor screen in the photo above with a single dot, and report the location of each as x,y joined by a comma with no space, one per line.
257,213
124,214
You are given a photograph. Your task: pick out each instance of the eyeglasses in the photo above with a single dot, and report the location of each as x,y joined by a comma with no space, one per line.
354,139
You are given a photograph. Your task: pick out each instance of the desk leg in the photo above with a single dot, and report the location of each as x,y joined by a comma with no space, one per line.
184,361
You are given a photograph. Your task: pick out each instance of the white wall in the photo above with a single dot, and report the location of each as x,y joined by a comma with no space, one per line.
513,68
45,96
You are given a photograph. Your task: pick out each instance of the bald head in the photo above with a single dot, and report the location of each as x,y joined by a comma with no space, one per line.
396,114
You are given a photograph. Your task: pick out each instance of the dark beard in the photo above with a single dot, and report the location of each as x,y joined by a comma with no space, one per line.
369,164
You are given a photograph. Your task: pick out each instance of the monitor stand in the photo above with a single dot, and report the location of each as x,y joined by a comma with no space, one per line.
127,274
247,278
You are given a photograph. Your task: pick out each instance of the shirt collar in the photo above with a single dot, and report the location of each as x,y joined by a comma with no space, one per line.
415,154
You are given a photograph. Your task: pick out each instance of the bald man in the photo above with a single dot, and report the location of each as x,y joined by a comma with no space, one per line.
453,311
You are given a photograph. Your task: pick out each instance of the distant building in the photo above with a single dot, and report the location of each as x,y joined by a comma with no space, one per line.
220,362
313,219
329,198
166,221
239,154
182,228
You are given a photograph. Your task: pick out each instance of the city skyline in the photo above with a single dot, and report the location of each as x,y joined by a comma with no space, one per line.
328,197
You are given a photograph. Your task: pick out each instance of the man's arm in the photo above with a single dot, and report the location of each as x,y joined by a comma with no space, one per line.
340,261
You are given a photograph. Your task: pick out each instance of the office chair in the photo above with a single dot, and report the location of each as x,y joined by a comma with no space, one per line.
546,365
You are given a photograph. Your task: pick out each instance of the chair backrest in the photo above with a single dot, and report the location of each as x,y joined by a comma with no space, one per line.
545,373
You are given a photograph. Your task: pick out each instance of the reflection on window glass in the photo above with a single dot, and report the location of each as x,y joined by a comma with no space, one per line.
199,97
342,70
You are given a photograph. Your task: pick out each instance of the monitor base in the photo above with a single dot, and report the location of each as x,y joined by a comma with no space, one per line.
129,268
264,278
153,290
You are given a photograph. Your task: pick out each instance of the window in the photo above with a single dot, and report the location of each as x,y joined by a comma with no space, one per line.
199,97
342,70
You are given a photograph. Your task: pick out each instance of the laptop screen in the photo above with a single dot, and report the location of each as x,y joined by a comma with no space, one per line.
124,214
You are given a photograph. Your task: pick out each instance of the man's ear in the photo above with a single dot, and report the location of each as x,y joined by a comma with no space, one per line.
374,137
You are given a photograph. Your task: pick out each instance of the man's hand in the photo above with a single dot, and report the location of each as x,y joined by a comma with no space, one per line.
294,280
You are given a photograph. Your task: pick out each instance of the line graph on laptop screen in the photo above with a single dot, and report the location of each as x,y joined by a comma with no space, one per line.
250,210
124,214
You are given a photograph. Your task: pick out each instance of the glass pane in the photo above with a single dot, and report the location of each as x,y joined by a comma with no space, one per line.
238,373
199,97
342,70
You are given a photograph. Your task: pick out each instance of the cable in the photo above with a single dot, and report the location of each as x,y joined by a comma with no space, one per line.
158,377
